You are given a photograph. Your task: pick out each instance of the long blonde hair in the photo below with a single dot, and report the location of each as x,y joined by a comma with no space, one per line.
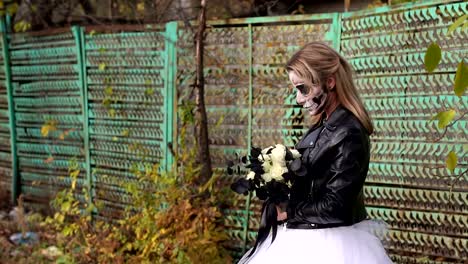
315,62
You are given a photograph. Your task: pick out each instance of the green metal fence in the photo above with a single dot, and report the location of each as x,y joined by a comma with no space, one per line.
386,48
100,99
110,93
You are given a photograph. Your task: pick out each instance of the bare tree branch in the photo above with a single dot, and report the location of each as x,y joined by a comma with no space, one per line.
441,136
204,158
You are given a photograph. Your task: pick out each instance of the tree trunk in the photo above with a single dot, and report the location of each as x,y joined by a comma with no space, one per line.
201,120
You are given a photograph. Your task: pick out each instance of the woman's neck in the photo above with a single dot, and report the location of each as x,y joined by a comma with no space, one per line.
333,103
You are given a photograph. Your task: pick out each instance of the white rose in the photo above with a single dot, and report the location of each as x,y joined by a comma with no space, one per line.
266,165
264,157
278,154
277,172
295,153
265,150
266,176
251,175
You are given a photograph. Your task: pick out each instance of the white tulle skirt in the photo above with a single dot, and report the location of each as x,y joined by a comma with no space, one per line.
356,244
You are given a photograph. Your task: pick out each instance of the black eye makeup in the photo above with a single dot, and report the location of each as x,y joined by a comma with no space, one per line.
302,88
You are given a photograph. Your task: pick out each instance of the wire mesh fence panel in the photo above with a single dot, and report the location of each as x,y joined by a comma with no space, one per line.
48,112
408,184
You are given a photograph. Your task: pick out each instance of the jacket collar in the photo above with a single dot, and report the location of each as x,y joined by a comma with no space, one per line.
331,124
336,118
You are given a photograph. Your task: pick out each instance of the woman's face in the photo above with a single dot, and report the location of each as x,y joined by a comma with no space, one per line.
311,97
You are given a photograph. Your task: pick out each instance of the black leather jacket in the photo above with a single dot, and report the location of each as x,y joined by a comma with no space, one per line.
336,155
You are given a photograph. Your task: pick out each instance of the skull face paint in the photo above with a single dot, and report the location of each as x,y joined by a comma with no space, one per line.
311,97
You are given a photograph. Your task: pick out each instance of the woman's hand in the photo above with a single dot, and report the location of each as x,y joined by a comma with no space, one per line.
281,214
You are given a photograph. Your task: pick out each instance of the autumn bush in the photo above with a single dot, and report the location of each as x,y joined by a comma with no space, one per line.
170,219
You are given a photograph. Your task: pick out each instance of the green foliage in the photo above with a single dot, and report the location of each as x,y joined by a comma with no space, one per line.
170,219
431,61
432,57
186,112
461,79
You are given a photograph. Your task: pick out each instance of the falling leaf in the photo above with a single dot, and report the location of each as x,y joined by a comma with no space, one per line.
74,173
149,92
106,102
115,138
220,121
457,23
112,112
49,126
102,66
125,132
444,118
22,26
108,91
432,57
92,32
461,79
49,159
35,183
140,7
451,161
12,9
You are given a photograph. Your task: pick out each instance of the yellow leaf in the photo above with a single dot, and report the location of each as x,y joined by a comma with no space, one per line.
112,112
92,32
74,173
451,161
73,185
46,129
102,66
125,132
444,118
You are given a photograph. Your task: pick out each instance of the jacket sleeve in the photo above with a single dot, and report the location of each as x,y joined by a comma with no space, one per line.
343,185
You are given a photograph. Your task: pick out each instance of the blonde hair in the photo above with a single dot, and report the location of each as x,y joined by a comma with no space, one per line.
315,62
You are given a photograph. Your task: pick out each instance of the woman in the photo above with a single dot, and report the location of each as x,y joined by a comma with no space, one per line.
325,219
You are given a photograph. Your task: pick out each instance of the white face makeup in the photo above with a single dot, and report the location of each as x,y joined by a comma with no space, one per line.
311,97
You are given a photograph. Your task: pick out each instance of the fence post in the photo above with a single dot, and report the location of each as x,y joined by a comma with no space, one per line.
170,101
335,32
15,181
78,34
249,138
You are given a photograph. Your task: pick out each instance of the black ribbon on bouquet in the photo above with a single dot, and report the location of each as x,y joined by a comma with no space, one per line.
268,222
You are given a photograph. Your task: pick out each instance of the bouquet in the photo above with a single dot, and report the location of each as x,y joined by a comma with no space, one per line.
271,174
